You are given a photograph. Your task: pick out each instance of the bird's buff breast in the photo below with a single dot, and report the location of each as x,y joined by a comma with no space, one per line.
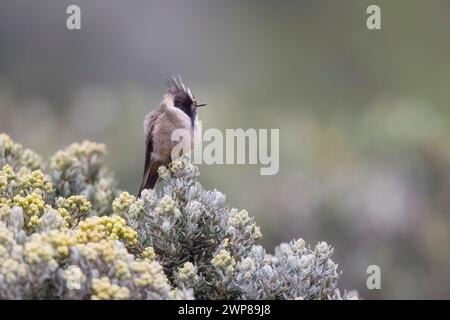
169,121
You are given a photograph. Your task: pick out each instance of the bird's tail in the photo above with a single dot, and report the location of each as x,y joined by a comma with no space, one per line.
150,176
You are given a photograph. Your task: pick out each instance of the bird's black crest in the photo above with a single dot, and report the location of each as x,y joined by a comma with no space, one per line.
182,96
176,86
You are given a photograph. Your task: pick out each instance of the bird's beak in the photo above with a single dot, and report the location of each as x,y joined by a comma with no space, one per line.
201,105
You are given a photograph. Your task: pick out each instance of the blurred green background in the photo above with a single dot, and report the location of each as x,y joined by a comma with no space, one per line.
363,115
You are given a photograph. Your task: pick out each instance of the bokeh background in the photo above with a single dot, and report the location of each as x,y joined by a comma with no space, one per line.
363,115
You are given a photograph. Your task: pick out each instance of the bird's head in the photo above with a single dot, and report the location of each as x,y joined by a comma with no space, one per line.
183,97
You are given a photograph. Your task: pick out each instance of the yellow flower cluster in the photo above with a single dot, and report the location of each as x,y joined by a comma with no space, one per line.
148,273
61,242
224,261
123,202
33,206
5,211
105,249
65,215
121,269
180,167
39,250
23,157
71,156
167,206
9,146
142,273
34,180
63,160
3,182
24,182
30,159
105,290
74,277
188,273
73,204
6,236
178,164
7,175
87,149
163,172
298,246
241,221
49,247
12,270
149,253
27,189
96,229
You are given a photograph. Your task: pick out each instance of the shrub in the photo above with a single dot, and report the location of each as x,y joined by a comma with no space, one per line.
67,232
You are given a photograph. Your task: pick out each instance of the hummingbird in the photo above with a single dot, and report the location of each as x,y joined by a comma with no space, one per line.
177,110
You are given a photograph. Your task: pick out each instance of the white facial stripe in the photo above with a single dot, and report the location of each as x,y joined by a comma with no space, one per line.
168,100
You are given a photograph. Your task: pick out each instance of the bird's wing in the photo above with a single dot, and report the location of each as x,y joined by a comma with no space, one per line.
150,176
149,123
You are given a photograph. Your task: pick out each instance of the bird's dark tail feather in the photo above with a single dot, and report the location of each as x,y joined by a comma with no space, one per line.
150,177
